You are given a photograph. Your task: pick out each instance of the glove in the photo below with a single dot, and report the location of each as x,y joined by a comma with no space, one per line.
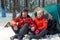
37,31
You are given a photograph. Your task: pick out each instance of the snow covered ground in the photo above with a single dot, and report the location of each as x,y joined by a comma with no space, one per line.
6,33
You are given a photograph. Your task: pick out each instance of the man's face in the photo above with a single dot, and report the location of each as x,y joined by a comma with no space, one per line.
24,14
39,15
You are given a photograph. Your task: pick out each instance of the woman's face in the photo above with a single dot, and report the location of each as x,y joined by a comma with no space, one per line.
39,15
24,14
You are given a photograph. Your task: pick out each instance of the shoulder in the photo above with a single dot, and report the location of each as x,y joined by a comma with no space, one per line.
35,19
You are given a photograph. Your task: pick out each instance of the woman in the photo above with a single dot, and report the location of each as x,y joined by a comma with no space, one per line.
41,25
22,24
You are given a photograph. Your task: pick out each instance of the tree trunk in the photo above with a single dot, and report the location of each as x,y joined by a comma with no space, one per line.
14,9
2,3
42,3
39,3
18,5
26,3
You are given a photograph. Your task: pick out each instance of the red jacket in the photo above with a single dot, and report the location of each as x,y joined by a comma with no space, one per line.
22,21
40,24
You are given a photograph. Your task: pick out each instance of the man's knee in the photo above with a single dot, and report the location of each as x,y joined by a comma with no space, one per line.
26,25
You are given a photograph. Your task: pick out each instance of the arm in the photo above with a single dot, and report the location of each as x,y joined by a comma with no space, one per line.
14,21
40,26
14,24
32,25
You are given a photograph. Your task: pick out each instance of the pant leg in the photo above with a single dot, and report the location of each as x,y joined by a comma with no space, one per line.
41,34
24,30
16,31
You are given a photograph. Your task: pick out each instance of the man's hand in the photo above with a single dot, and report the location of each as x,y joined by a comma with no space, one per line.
14,24
15,28
33,28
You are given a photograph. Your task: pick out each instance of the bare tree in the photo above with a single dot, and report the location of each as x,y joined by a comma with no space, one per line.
14,8
26,1
43,3
18,5
2,3
39,2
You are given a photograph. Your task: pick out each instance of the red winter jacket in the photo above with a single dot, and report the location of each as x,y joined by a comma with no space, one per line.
22,21
40,24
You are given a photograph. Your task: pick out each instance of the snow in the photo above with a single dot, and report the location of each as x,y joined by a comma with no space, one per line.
6,33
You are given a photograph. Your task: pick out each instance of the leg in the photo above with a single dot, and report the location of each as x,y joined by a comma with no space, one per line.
24,30
41,34
16,32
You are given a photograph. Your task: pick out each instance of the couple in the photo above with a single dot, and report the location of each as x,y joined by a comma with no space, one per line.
24,24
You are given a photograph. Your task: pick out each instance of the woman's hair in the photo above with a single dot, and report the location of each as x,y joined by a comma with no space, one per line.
24,10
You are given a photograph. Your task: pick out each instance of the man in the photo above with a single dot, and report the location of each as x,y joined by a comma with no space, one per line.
22,24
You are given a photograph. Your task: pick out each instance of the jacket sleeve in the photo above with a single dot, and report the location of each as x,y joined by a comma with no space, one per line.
32,23
13,22
16,19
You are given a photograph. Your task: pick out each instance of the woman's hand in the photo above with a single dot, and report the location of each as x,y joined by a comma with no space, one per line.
37,31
